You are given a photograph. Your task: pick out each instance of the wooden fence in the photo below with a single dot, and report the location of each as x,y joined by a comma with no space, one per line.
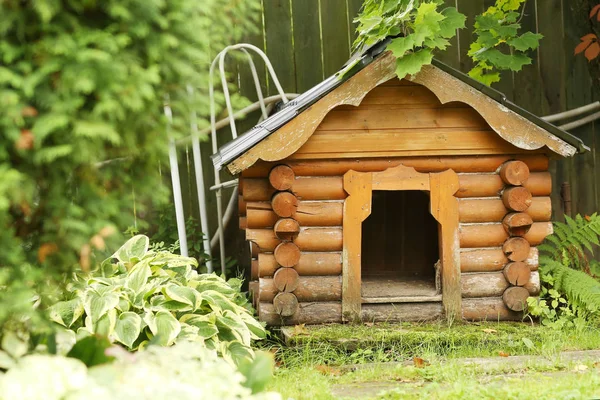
308,40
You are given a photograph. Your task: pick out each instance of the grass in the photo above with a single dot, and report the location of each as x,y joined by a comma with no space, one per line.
321,358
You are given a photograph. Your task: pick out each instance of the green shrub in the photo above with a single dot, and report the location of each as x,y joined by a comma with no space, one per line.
140,296
185,372
82,127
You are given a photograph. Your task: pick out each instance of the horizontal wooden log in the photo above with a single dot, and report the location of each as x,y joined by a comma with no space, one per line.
308,213
321,264
310,288
516,198
332,187
471,164
490,260
534,285
254,250
253,290
307,313
281,177
241,206
285,304
488,309
309,239
402,312
243,223
491,185
514,173
493,210
254,269
305,188
490,284
494,234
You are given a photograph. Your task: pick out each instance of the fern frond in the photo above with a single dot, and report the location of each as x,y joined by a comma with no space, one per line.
571,240
579,288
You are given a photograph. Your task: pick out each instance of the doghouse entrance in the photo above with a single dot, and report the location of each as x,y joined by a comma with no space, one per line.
400,248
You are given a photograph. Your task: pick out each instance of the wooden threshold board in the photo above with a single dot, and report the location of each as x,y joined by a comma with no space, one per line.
379,289
404,299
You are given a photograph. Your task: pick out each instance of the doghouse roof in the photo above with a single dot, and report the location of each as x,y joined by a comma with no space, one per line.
298,119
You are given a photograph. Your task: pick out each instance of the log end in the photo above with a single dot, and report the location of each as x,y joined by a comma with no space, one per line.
284,204
287,254
516,249
286,280
515,298
517,273
287,229
282,177
285,304
514,173
517,224
517,198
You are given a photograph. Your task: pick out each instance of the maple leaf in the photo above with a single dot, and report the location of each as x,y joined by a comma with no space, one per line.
489,330
503,354
594,11
419,362
45,250
592,51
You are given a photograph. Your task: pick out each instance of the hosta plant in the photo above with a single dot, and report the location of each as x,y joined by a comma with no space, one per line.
140,296
183,372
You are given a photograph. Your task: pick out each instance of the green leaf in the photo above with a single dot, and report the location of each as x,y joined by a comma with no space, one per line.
96,304
452,21
66,312
412,63
183,294
105,326
235,352
138,276
205,324
399,46
528,343
163,326
527,41
134,248
258,372
128,328
91,350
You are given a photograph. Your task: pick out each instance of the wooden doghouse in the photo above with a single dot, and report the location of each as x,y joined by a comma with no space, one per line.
396,200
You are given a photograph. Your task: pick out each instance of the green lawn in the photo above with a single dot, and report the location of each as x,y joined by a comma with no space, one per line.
325,362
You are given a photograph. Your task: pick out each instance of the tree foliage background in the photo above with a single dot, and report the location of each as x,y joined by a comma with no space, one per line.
83,82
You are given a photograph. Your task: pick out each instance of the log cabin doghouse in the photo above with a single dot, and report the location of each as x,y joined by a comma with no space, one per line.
370,198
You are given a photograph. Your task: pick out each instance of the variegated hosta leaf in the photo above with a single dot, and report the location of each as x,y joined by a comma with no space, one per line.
190,333
96,304
128,328
66,312
183,294
236,352
218,286
163,326
256,329
14,345
218,301
138,276
205,324
231,323
106,324
134,248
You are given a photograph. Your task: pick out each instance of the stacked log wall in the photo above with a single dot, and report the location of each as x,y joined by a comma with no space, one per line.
317,187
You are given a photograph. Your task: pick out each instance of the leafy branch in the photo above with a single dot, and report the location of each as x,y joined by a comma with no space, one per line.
419,28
